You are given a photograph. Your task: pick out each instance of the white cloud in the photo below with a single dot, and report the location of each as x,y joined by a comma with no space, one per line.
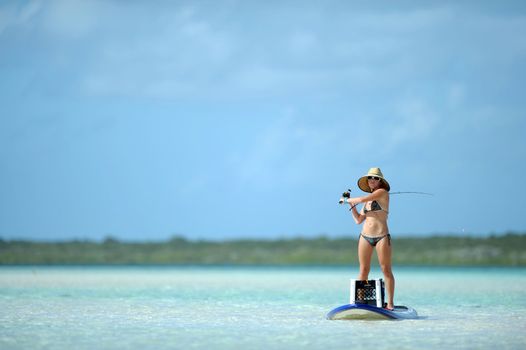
267,153
456,95
16,16
414,121
75,18
179,50
282,153
303,42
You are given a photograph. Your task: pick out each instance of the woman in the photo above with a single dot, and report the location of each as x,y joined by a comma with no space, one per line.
375,233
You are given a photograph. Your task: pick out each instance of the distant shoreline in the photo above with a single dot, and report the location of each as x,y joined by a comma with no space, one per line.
352,235
438,250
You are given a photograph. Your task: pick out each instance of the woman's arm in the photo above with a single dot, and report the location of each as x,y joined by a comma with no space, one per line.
358,217
379,193
353,202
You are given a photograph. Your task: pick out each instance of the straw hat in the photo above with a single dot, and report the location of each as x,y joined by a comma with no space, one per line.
364,185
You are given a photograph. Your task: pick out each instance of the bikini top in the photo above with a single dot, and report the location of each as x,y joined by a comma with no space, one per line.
375,206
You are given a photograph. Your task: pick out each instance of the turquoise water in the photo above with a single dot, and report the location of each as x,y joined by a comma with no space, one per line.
253,308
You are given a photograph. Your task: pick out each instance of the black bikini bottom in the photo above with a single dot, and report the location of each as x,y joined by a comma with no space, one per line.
374,240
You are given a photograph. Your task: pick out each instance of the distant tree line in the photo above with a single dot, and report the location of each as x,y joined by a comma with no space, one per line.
499,250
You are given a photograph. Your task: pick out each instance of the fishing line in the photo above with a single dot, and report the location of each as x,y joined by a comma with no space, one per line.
412,192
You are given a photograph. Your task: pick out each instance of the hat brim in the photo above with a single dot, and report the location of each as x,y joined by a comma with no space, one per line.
364,184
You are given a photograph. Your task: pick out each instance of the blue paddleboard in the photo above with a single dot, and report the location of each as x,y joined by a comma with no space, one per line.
370,312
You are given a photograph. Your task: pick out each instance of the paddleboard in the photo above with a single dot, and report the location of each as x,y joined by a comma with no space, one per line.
370,312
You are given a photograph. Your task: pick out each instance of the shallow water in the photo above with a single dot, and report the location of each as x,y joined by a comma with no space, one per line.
253,307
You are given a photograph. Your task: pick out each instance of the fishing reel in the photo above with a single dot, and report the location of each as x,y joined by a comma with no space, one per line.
345,195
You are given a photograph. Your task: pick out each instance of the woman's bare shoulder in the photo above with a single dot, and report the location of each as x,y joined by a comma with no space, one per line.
381,192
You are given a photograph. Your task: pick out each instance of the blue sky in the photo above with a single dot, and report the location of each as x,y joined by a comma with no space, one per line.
229,119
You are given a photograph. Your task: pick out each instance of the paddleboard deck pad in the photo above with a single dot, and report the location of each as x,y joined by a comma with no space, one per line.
370,312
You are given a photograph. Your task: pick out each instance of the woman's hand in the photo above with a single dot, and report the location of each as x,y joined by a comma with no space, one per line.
353,201
345,196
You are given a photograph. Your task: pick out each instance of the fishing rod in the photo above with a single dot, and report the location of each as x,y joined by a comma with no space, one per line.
413,192
347,195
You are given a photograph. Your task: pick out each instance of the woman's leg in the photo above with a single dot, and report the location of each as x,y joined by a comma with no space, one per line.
365,251
383,249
